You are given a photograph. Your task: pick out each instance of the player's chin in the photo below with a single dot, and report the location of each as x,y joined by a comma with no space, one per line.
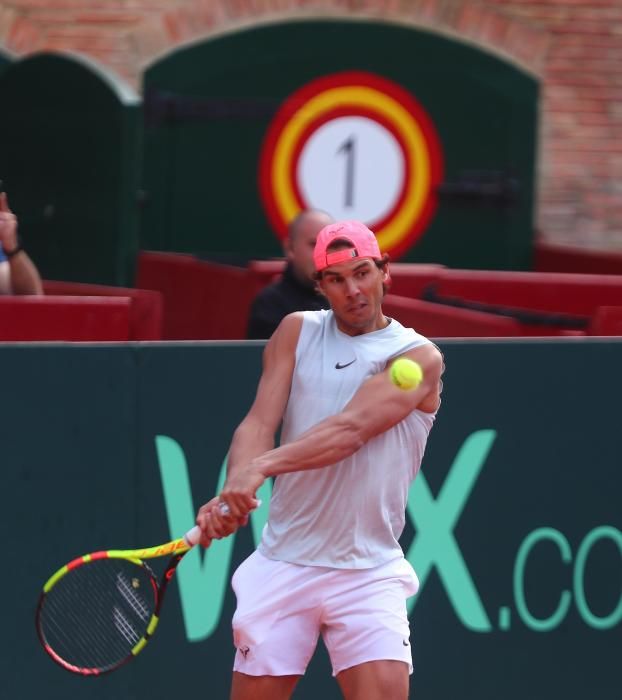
361,318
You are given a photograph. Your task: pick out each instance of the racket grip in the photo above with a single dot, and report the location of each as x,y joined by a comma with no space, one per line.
224,508
193,536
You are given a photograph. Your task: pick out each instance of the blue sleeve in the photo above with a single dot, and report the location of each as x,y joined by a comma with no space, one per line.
2,255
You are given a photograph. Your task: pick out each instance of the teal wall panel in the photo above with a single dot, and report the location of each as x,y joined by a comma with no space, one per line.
514,523
67,431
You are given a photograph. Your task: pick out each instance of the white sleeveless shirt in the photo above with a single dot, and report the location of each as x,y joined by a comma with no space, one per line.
348,515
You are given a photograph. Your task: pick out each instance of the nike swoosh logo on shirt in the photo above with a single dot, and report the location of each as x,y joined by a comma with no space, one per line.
340,366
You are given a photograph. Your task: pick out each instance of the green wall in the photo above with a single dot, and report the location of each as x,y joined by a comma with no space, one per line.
5,61
514,523
208,107
95,172
70,147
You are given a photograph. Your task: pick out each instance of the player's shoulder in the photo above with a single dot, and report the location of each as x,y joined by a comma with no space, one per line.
309,319
404,337
414,342
285,337
411,334
317,317
291,328
429,356
292,321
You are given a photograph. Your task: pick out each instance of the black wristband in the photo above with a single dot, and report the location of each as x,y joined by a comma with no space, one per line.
18,249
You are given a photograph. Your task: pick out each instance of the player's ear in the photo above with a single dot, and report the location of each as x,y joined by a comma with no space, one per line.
318,284
386,279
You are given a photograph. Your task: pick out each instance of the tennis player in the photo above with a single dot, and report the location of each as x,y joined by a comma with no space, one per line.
329,561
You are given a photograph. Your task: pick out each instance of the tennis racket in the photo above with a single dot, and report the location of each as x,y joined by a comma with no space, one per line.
98,612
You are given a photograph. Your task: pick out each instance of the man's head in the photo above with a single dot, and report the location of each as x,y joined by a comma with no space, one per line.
353,274
300,243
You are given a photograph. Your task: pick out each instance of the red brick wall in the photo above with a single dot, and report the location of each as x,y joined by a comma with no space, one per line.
580,190
573,46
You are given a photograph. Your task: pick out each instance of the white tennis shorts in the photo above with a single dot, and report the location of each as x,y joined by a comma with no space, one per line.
283,608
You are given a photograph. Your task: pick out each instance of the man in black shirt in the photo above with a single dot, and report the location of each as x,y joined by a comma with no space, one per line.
295,291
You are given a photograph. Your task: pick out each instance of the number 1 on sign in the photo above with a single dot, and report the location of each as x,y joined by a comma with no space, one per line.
347,147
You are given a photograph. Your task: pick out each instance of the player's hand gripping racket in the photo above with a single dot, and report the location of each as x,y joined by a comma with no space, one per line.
99,611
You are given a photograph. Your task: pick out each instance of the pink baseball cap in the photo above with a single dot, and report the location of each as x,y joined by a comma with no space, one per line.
364,244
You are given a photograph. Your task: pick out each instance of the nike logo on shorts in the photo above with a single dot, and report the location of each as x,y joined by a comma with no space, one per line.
405,642
340,366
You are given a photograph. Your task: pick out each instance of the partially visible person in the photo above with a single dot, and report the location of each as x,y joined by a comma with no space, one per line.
296,290
18,274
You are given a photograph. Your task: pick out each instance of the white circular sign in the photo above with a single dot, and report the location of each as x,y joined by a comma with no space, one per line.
353,168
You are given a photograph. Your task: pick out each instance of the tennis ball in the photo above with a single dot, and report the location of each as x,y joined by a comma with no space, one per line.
406,374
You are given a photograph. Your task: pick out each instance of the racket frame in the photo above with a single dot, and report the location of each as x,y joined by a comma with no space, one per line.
175,548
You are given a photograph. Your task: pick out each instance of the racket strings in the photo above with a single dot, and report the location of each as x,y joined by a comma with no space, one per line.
96,614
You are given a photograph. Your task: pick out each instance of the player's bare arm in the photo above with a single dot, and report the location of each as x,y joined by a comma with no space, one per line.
377,406
255,434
